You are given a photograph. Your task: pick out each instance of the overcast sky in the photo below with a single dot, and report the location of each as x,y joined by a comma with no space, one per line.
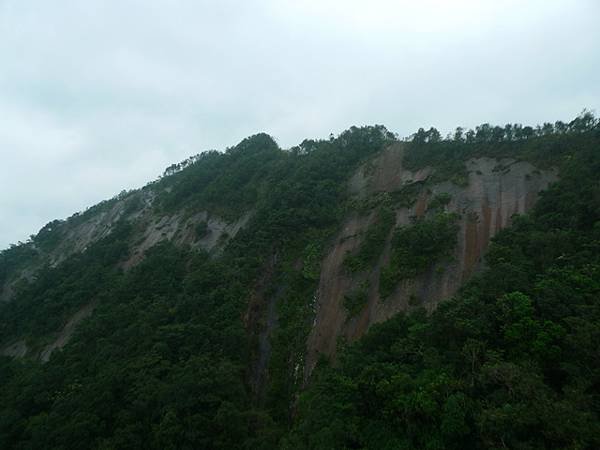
99,96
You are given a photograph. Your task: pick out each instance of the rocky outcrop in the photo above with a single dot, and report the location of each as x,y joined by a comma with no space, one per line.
496,191
260,320
181,229
137,208
65,334
17,349
150,228
20,349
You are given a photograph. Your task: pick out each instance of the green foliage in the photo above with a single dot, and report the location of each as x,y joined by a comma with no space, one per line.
417,247
201,230
357,300
133,204
163,361
439,201
43,305
256,170
311,263
373,242
49,236
166,360
510,362
544,146
159,363
407,196
14,258
225,183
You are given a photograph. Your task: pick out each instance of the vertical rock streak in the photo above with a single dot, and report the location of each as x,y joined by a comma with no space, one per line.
496,191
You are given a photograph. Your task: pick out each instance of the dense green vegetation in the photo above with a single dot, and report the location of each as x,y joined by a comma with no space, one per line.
439,201
356,300
57,292
511,362
545,146
373,242
417,247
13,259
228,183
164,360
171,357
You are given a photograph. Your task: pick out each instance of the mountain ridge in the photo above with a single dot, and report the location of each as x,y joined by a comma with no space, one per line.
196,309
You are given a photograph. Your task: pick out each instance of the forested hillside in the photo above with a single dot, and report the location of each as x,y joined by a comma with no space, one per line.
512,361
198,335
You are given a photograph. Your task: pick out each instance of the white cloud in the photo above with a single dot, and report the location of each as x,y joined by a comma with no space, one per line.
101,95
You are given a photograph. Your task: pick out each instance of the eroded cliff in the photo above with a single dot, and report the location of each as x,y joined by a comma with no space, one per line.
200,230
494,192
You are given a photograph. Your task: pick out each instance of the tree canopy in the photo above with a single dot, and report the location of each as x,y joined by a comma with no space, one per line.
171,356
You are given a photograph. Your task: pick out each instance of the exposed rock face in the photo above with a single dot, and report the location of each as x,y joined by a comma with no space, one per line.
180,228
149,229
495,192
16,349
20,349
78,237
6,292
65,334
260,320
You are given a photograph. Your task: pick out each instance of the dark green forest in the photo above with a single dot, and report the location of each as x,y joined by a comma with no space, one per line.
165,361
512,361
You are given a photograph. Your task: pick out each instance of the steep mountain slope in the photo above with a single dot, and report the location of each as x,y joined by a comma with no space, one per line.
494,191
512,361
190,313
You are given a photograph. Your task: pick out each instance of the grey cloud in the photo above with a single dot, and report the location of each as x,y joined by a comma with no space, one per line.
99,96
